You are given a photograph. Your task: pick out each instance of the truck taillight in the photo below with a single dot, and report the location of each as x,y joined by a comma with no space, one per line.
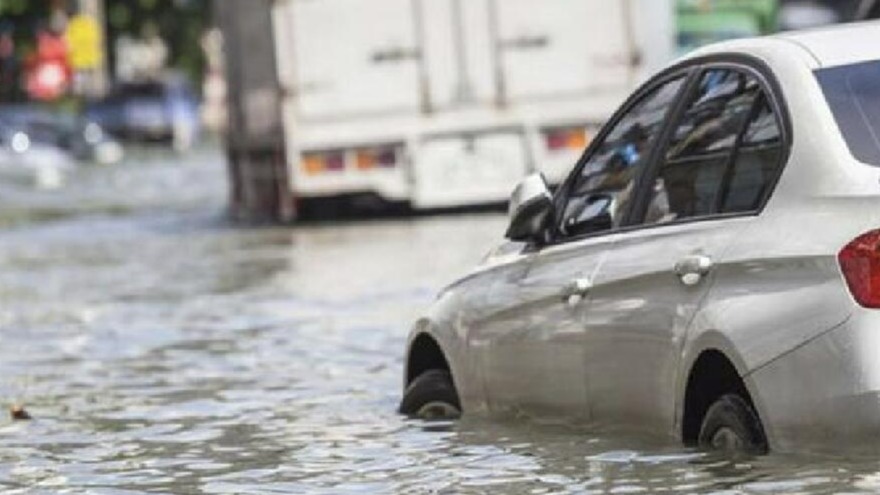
378,157
860,263
569,138
317,163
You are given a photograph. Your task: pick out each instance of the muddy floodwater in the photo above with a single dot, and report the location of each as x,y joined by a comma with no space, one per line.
161,349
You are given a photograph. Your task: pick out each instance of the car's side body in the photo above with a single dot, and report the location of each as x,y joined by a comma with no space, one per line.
164,109
774,308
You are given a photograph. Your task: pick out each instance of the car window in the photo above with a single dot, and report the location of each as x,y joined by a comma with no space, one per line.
602,188
853,94
141,90
757,163
690,179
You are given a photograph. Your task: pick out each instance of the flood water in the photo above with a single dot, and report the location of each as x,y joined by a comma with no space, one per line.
161,349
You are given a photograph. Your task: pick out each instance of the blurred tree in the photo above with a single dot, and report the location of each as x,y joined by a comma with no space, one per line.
21,17
180,23
19,20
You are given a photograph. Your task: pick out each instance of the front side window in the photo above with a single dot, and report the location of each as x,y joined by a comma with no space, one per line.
602,189
853,94
723,153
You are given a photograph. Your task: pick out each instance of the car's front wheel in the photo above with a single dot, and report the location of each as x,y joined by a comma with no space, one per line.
731,425
431,395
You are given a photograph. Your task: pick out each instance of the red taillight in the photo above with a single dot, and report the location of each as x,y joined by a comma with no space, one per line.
340,160
574,138
379,157
860,263
320,162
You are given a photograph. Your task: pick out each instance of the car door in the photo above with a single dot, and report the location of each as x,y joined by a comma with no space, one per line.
532,342
700,196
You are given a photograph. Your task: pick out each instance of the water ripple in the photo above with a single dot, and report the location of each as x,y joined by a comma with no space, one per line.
160,350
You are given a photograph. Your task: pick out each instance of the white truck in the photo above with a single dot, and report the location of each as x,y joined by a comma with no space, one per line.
445,103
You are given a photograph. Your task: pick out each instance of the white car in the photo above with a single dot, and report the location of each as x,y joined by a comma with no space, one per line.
710,268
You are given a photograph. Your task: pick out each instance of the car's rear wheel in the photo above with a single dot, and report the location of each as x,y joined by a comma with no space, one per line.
431,395
731,425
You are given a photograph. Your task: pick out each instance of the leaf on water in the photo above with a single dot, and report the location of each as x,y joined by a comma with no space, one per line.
18,413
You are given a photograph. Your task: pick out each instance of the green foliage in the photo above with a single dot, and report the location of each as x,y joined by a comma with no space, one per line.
179,22
762,12
13,7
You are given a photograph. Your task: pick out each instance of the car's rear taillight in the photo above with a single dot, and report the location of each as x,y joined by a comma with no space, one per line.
860,263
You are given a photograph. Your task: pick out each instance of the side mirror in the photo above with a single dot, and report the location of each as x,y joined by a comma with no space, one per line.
530,206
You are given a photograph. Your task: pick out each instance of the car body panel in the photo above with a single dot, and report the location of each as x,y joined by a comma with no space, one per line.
640,309
453,314
838,45
827,391
532,340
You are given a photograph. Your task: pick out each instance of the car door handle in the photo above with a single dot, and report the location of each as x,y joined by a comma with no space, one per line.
576,291
691,269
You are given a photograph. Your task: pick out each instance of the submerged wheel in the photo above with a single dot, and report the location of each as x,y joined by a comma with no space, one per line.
431,395
731,425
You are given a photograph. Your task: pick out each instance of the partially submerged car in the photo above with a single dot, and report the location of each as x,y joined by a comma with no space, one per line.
164,110
30,161
710,268
85,140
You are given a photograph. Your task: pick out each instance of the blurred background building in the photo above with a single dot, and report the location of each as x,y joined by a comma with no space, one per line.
334,106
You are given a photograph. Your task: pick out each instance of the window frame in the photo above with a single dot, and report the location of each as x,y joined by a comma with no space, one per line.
692,70
560,199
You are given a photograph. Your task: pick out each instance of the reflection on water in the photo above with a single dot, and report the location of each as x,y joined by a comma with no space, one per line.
163,350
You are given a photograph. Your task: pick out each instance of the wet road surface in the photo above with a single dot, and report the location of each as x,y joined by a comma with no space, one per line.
161,349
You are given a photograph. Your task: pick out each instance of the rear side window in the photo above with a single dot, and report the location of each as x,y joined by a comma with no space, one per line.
723,154
757,162
853,93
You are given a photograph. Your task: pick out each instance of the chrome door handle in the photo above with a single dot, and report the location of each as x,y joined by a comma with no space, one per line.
577,290
691,269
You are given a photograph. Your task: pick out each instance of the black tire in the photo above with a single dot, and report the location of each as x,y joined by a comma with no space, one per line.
731,425
431,395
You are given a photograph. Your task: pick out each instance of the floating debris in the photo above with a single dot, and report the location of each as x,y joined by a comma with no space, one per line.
18,413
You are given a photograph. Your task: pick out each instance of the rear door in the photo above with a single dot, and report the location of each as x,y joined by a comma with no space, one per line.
561,48
712,176
352,57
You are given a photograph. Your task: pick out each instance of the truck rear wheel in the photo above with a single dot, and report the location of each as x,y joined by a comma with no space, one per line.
431,395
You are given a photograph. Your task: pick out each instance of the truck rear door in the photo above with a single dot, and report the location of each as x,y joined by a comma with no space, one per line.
561,48
353,58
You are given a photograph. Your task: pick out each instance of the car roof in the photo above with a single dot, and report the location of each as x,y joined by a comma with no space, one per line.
841,44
